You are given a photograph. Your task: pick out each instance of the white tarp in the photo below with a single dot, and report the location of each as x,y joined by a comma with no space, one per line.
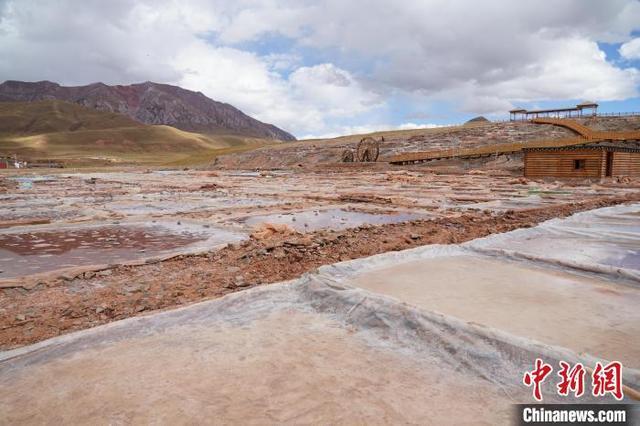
315,350
606,240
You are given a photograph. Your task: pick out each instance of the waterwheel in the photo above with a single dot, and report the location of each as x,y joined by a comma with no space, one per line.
368,150
347,156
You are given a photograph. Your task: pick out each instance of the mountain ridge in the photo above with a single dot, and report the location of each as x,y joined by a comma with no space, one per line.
149,103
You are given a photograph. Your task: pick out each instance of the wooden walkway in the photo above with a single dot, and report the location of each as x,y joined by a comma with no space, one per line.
584,136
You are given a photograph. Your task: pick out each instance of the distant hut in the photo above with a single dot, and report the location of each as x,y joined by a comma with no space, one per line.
588,105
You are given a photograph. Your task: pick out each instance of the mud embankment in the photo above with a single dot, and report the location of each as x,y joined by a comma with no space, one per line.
61,306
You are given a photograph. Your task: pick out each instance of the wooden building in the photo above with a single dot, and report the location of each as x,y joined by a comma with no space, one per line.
585,161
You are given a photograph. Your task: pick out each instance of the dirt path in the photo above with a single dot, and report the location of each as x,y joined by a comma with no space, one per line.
58,307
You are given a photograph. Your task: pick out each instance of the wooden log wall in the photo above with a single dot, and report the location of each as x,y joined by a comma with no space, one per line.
626,164
561,163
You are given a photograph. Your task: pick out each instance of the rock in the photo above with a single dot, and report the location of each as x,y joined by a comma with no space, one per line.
104,273
133,288
270,247
68,276
240,282
415,236
20,317
89,274
299,242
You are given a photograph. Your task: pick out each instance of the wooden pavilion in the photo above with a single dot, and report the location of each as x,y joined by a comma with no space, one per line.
579,110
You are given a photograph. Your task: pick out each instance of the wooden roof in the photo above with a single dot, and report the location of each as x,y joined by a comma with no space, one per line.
610,148
542,111
582,105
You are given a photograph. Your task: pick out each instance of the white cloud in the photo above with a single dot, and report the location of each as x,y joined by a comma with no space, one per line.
631,49
168,44
364,129
479,57
573,69
488,53
305,101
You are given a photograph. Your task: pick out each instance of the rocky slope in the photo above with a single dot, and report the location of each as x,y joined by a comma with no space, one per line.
471,135
395,142
150,103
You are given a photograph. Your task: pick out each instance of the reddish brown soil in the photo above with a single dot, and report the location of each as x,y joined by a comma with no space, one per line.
58,307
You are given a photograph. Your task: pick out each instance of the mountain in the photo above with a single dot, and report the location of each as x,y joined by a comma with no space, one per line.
150,103
75,135
479,119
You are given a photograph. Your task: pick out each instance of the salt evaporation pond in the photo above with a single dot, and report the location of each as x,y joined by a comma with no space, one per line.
312,220
26,253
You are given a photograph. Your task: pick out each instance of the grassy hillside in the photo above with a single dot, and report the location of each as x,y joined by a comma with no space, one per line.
32,118
76,135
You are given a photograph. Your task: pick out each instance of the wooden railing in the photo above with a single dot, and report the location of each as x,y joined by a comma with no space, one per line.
616,136
569,124
487,150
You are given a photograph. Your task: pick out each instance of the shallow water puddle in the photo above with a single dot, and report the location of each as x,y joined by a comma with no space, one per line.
186,206
312,220
34,252
26,182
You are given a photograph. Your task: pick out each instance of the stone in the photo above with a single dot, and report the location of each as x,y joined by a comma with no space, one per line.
240,282
133,288
68,276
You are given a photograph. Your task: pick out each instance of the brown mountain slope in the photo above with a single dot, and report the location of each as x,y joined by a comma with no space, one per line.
34,118
150,103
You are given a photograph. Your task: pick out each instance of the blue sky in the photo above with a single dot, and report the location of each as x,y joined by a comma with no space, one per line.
329,67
